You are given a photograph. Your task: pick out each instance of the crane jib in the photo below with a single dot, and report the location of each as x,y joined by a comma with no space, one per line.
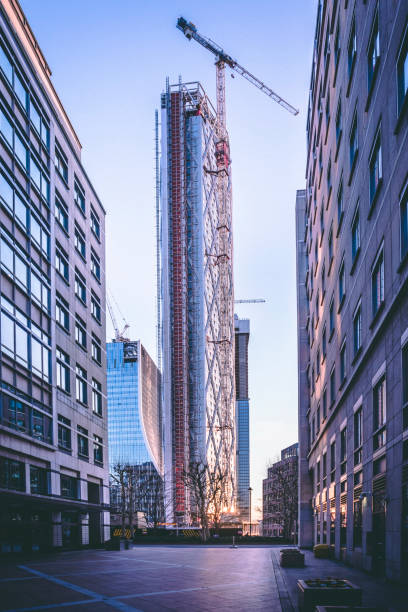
190,31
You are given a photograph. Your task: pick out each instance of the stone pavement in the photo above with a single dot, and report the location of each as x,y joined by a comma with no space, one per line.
180,578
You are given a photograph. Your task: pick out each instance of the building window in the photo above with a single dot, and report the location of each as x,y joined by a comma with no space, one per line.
98,449
317,363
339,124
373,53
95,266
380,413
62,312
343,364
64,433
357,523
61,213
402,73
95,224
340,205
404,223
332,461
61,262
377,283
342,283
357,330
69,487
40,236
358,436
96,397
81,385
324,343
337,46
6,65
322,221
330,242
328,108
318,477
61,162
79,195
63,370
332,386
96,349
324,470
324,403
80,244
352,48
343,451
329,179
83,446
40,125
331,317
95,307
12,474
80,286
38,480
405,385
353,143
80,332
375,167
355,235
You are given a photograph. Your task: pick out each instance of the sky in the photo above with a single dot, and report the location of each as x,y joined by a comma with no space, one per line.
109,61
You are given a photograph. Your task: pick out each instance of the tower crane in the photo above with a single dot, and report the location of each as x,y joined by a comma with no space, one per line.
119,335
222,58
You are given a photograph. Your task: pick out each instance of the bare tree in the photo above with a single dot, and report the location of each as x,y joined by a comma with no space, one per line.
206,488
128,489
282,504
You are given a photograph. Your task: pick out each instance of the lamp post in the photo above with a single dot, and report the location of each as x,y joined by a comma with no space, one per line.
250,510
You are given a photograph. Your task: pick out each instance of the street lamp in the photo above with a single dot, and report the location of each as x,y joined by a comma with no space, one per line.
250,508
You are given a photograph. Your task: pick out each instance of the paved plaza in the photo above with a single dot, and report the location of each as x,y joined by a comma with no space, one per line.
193,578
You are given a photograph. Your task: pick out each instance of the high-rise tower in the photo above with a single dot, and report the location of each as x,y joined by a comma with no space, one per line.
242,415
197,294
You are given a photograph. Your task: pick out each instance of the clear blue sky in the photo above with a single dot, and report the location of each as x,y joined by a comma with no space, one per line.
109,61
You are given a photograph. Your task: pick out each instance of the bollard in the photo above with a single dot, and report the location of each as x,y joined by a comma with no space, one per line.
233,542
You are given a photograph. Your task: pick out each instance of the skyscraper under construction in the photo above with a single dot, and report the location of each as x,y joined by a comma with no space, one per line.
197,295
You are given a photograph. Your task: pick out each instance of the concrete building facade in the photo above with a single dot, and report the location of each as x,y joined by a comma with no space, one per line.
242,416
53,428
352,252
197,323
279,499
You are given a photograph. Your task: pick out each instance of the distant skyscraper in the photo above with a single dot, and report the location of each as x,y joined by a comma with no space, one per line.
352,254
279,495
242,415
198,323
53,426
134,412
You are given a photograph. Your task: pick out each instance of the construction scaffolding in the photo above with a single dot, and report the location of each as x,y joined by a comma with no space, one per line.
197,283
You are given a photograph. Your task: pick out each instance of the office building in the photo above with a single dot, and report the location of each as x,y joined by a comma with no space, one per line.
352,253
197,297
135,424
53,435
279,496
242,416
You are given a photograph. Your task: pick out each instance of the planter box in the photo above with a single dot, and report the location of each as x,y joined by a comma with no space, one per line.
332,592
321,551
292,557
354,608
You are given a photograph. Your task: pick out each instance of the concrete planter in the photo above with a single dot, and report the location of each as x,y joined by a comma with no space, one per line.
292,557
354,608
332,592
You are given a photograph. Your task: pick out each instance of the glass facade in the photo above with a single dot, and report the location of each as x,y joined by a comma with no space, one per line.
242,415
134,425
